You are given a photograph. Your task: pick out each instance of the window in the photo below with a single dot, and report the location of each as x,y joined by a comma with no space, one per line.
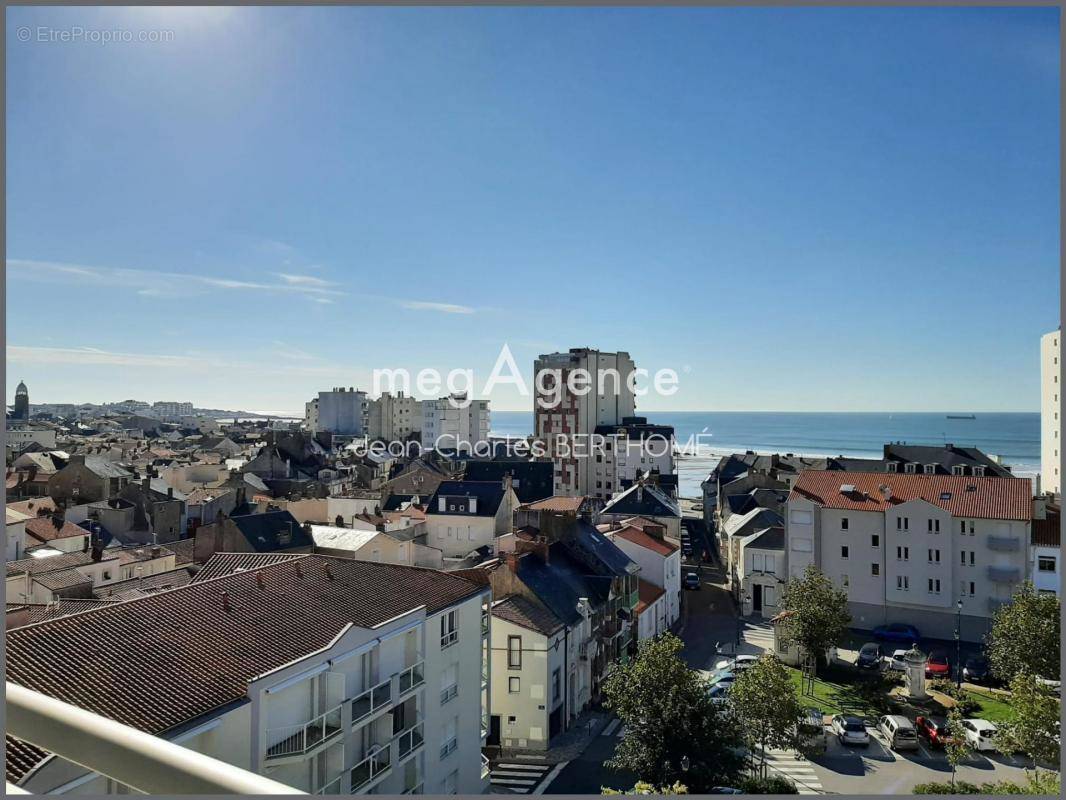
910,468
934,556
844,581
449,683
843,523
1045,563
972,588
958,469
934,586
844,551
929,469
514,652
875,569
903,523
514,685
934,526
875,540
903,582
556,684
449,634
448,737
107,575
893,466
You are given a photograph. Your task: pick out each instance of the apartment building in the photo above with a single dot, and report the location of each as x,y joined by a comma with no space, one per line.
1045,548
331,676
170,410
659,561
1050,405
463,516
340,411
910,548
565,420
393,418
454,423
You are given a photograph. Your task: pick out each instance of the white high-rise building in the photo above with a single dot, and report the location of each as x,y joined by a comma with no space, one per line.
1050,404
340,411
564,420
394,418
449,425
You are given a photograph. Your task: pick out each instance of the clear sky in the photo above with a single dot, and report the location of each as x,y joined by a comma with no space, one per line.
795,209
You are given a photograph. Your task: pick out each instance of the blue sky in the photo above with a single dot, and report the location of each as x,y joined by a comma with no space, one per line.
795,209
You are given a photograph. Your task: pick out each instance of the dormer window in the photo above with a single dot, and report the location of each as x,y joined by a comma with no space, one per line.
979,471
958,469
910,468
929,469
893,466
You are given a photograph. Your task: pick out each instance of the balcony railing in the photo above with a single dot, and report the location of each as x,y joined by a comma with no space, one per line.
485,767
370,768
449,693
416,789
412,678
372,700
292,740
484,674
130,757
1004,544
448,639
1004,574
449,747
409,741
333,787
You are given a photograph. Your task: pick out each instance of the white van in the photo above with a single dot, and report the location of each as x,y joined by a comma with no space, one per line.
899,731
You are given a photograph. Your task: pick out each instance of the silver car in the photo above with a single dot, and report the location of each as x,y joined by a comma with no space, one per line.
850,730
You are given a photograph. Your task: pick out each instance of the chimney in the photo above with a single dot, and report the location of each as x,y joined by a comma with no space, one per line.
146,482
170,492
259,579
886,491
329,572
299,570
155,551
655,531
511,559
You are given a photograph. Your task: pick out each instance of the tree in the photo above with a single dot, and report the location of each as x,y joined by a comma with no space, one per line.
764,700
640,787
956,747
674,732
818,613
1034,724
1026,636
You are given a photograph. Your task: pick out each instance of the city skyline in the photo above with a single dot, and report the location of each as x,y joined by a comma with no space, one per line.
730,191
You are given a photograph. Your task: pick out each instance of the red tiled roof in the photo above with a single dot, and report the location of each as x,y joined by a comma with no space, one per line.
128,654
33,506
36,566
556,503
647,593
44,529
639,537
989,498
1048,532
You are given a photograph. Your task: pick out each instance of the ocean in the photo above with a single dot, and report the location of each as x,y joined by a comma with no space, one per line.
1012,437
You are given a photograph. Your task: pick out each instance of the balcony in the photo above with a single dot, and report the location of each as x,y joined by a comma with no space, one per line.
1004,574
448,639
448,693
371,768
409,741
449,747
485,766
484,675
1004,544
412,678
372,701
301,740
333,787
416,789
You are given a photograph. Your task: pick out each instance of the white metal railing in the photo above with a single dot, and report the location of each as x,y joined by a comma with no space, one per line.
485,767
370,768
373,699
416,789
333,787
449,747
449,693
412,677
409,741
448,639
293,740
136,759
484,724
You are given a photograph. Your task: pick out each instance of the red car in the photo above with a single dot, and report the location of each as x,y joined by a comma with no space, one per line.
933,729
938,665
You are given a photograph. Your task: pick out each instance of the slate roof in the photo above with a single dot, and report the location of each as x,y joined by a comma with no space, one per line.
163,660
645,500
523,612
945,457
562,582
598,552
761,517
261,531
772,538
989,498
532,480
488,495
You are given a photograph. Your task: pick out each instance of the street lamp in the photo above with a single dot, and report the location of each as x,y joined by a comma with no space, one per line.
744,597
958,646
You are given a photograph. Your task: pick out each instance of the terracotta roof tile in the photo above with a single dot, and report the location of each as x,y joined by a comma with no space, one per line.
1048,532
989,498
47,529
556,503
639,537
21,757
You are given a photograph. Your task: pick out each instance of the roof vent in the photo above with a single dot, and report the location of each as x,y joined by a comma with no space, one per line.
847,488
259,579
299,571
225,602
971,488
329,572
945,496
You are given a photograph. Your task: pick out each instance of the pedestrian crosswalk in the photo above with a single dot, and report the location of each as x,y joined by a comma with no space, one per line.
798,770
614,728
517,778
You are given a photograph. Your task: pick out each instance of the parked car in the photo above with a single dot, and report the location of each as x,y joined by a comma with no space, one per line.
895,661
1047,683
897,632
933,729
976,670
692,580
737,664
980,734
719,693
722,676
810,732
898,731
725,790
938,665
850,730
870,656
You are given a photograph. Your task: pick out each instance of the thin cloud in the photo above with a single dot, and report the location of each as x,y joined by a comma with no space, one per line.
283,350
304,280
446,308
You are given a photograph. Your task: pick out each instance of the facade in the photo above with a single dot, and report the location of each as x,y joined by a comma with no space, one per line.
86,479
631,449
649,500
1050,405
170,410
21,435
394,419
760,577
565,421
339,411
450,424
349,700
463,516
1045,548
909,548
659,561
16,533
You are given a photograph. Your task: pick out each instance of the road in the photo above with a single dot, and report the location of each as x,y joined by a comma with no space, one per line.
587,773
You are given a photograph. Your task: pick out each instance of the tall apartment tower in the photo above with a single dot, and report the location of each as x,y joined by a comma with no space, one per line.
394,418
340,411
563,420
1050,403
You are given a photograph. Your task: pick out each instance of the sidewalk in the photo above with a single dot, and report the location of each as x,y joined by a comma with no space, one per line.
566,746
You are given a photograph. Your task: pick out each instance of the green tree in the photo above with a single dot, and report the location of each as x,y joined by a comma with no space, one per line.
956,747
1034,724
818,614
640,787
765,703
674,732
1026,636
